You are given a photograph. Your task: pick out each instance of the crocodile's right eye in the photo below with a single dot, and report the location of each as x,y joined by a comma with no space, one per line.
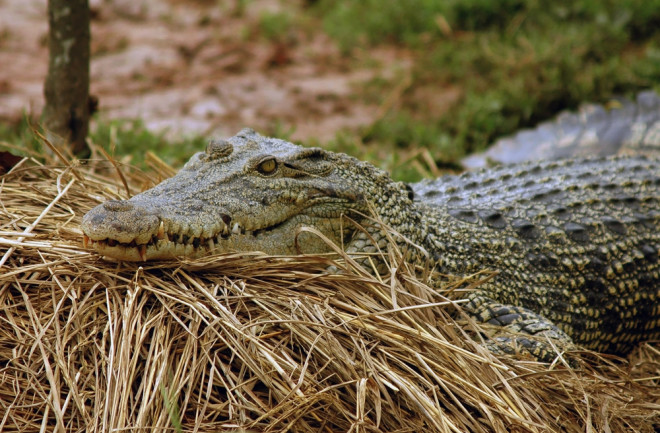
267,166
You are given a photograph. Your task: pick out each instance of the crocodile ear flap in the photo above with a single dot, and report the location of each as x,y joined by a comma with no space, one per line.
314,161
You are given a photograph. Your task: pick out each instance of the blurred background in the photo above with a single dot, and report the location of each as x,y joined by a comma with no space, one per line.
412,85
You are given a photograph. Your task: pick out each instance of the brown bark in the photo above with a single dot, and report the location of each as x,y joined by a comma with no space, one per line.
66,114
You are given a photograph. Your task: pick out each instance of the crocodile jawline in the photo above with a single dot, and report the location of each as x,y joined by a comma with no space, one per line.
168,244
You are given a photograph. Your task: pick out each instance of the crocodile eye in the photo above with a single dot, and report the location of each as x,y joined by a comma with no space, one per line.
267,167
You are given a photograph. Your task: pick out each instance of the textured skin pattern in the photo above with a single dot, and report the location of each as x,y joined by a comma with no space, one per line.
575,242
227,199
624,128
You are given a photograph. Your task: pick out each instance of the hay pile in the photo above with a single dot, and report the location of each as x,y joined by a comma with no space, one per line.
248,342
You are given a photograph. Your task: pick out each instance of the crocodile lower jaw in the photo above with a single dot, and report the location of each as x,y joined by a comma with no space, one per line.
162,249
165,245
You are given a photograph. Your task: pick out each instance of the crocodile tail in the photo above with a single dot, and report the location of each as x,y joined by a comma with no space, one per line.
620,127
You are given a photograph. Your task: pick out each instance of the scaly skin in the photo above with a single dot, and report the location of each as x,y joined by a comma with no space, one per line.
575,242
623,128
223,199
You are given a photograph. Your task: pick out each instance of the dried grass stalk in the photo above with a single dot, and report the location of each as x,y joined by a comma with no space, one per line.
248,342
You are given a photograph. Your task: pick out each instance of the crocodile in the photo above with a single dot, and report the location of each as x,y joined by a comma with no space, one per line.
574,243
621,127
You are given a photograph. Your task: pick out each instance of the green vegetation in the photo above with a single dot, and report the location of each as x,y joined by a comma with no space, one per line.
19,135
355,22
515,62
127,140
171,405
274,26
501,65
131,137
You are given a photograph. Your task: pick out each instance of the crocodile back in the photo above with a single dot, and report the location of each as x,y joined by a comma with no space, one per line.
574,240
623,128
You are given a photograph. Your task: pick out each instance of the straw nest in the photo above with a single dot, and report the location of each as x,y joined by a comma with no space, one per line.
248,342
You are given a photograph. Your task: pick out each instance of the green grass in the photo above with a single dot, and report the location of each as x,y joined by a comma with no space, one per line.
131,137
126,140
516,62
274,26
19,134
171,405
372,22
513,64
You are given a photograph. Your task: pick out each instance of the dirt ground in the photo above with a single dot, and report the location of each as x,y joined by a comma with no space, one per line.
196,67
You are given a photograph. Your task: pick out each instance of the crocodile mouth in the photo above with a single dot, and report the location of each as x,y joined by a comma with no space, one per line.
169,244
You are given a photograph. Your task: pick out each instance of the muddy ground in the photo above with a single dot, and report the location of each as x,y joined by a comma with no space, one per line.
198,67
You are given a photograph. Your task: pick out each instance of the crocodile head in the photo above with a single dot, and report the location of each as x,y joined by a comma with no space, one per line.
247,193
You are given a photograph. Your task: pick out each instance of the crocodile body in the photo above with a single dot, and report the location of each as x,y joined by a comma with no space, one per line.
575,242
623,128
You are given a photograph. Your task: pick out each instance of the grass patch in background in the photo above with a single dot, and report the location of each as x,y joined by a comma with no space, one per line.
275,26
19,134
510,64
126,140
131,137
516,62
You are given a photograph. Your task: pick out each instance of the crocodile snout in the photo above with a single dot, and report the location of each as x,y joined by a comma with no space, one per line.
122,221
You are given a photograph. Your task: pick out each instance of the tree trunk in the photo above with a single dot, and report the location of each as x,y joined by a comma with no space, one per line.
66,114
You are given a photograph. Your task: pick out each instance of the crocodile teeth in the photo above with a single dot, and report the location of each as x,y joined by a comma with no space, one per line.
174,230
142,249
211,244
225,230
236,229
209,231
161,231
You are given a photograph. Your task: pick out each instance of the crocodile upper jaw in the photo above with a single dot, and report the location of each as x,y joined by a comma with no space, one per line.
129,232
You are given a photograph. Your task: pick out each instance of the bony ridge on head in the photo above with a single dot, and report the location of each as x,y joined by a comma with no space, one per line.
218,148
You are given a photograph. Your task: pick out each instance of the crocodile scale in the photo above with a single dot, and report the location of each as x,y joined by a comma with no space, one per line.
575,241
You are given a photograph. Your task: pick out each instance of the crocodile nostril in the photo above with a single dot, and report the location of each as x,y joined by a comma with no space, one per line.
118,206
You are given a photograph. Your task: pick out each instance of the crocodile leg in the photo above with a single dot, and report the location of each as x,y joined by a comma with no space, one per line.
521,330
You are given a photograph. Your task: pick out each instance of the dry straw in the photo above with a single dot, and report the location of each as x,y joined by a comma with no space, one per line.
248,342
